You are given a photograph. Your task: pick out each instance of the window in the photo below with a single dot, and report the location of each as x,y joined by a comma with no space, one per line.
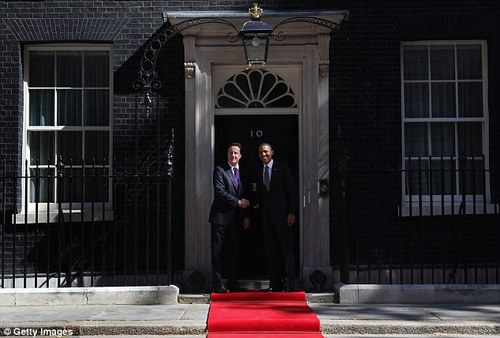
256,88
444,122
68,92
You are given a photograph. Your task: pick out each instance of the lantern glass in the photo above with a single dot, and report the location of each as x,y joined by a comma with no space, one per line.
256,47
255,36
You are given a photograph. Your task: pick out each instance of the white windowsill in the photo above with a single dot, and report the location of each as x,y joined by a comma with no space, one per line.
437,209
75,216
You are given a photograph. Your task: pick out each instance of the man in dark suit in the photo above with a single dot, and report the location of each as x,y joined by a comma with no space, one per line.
278,203
228,216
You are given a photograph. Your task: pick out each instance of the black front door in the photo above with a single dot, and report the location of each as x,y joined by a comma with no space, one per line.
281,131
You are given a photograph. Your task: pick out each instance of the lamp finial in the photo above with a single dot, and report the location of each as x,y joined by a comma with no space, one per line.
255,12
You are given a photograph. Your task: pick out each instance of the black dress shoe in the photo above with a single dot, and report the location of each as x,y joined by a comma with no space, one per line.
220,289
272,290
236,289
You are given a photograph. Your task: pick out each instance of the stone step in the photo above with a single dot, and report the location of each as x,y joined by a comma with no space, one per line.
205,298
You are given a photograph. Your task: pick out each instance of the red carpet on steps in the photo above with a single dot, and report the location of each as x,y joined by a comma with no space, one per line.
264,335
261,315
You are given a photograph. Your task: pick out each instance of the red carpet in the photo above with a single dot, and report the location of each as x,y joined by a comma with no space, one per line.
261,315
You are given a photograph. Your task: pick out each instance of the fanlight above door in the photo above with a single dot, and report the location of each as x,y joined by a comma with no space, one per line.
256,88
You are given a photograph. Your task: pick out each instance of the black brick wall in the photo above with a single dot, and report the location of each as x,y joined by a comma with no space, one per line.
127,25
365,103
364,85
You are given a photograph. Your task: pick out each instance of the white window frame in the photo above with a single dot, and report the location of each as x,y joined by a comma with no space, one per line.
420,205
43,212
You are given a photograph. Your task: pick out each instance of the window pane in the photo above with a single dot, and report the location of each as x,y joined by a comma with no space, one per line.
69,107
443,139
41,69
72,185
41,186
416,139
96,107
442,63
469,62
41,107
416,99
69,69
69,146
470,99
96,147
278,96
282,101
241,86
229,102
443,99
470,139
41,147
96,69
415,63
443,177
417,178
471,177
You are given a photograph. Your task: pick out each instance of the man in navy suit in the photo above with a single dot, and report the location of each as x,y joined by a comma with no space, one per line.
278,204
228,216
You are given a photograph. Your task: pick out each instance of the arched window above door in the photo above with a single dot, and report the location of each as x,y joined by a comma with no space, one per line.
256,88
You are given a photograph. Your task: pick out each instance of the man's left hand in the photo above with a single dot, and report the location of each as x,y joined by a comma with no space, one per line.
246,223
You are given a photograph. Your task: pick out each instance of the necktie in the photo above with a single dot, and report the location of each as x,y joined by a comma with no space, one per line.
266,177
236,175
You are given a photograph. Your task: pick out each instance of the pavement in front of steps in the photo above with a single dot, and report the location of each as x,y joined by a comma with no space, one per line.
188,320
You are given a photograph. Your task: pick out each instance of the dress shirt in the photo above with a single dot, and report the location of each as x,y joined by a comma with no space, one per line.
270,166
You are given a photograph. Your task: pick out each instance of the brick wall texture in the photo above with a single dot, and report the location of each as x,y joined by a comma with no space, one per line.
364,86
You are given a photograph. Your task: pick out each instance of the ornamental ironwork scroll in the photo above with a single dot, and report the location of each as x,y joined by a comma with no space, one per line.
148,82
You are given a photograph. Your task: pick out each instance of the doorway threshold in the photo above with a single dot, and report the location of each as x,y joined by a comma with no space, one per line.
254,284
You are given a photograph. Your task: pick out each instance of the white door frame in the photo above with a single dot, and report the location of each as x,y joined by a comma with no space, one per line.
306,46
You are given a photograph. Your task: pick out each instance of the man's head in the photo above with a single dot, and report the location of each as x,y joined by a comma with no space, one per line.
234,153
266,152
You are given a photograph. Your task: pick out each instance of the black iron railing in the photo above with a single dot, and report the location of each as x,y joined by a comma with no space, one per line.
96,226
86,226
436,220
446,186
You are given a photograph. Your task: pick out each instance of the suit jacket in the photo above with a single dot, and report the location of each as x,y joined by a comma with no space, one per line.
282,198
225,208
